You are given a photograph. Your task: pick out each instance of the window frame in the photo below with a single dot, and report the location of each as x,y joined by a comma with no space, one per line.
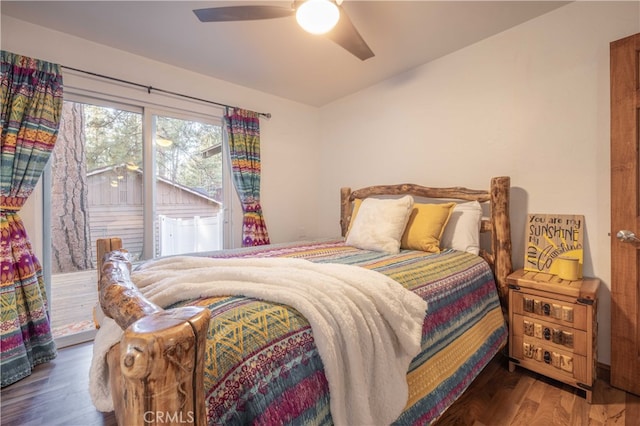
212,116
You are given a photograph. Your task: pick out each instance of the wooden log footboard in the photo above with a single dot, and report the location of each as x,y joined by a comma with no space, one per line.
157,369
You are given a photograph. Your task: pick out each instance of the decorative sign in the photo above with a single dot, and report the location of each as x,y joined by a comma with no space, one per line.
549,237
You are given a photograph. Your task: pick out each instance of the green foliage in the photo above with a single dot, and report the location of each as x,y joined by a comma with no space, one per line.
185,161
114,137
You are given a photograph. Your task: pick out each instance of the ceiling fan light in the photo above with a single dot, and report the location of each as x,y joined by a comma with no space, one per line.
318,16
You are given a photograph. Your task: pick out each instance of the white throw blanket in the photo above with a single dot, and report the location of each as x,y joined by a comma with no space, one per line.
366,326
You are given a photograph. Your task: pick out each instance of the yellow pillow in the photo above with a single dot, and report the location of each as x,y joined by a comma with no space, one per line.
425,227
354,212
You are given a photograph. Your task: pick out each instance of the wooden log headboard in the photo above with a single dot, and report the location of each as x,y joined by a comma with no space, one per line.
497,224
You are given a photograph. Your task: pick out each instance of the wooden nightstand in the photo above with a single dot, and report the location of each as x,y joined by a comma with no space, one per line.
553,327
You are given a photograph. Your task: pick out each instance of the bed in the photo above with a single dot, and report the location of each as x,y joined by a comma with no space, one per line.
215,358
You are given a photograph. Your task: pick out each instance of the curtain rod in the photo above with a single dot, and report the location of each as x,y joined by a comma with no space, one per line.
150,88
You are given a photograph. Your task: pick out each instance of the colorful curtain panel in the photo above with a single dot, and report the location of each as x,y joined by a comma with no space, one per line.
243,128
31,107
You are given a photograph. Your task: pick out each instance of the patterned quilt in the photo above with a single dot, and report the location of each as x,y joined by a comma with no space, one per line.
263,366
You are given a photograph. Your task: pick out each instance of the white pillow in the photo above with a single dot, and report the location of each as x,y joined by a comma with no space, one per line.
380,223
463,229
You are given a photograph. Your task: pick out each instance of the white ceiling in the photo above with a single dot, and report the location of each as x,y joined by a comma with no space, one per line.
276,56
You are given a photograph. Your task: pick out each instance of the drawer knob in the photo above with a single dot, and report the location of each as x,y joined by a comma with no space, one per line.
546,309
547,333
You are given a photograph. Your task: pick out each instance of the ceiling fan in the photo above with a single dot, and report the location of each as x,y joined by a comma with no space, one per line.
341,29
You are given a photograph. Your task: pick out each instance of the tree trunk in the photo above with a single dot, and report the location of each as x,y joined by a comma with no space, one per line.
70,236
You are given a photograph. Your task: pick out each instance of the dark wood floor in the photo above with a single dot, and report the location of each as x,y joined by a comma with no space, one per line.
56,394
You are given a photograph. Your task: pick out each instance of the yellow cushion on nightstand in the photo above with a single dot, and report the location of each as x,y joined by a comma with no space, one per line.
425,227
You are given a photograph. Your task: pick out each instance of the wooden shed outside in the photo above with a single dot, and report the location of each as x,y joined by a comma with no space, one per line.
115,200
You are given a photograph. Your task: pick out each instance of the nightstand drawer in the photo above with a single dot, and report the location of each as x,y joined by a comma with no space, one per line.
548,333
561,312
550,361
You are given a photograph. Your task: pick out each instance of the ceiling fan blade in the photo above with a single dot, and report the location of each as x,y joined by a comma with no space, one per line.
242,13
347,36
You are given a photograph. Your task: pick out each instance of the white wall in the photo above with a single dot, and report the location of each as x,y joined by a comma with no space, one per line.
288,139
531,103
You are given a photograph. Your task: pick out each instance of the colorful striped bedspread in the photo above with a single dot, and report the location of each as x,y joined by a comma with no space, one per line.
263,366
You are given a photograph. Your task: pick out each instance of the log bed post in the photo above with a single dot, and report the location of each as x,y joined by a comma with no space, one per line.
157,369
501,236
345,210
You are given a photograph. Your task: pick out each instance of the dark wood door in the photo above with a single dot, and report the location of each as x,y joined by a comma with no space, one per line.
625,214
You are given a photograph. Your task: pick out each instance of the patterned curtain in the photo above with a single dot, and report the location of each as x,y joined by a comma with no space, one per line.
31,107
243,128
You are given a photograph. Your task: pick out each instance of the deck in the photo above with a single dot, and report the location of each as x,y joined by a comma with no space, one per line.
73,296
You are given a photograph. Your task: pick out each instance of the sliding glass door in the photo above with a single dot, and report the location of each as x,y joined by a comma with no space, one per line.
188,186
153,179
96,190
